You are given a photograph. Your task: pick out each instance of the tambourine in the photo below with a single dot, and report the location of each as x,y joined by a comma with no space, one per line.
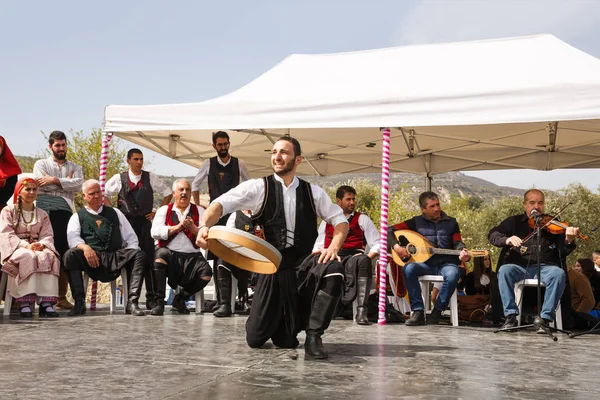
243,249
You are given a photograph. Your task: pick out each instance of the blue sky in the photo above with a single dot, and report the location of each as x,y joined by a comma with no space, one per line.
62,62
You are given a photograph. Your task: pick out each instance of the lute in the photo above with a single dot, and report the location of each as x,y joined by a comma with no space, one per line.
421,249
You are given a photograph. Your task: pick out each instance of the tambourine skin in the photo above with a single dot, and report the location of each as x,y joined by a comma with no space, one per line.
218,234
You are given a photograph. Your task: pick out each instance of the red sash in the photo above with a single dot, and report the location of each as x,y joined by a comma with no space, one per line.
172,220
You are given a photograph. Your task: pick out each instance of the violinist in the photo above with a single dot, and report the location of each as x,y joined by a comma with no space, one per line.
518,259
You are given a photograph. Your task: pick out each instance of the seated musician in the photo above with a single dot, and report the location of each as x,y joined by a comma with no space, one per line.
518,261
178,258
443,232
101,242
361,229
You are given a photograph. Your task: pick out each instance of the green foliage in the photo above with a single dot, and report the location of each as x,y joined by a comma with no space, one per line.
477,216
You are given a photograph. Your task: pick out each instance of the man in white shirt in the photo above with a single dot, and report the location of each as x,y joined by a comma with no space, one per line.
101,242
361,232
178,257
135,188
58,181
286,209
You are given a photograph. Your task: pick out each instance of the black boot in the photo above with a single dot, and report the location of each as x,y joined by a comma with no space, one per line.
362,298
151,295
417,318
179,302
160,285
136,278
224,309
321,314
243,296
76,283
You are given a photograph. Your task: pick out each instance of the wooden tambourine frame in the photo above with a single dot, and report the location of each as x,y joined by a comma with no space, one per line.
228,242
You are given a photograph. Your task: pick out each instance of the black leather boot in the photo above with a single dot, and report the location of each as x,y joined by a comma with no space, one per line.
135,287
151,294
76,283
417,318
224,309
321,314
179,302
362,298
160,285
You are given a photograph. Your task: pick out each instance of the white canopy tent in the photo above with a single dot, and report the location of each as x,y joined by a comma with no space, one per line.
530,102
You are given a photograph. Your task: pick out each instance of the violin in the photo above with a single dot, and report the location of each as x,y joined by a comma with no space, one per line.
550,224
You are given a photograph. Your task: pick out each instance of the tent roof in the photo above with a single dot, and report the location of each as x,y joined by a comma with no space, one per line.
529,102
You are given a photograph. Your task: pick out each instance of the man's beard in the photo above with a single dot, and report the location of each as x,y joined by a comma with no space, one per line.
223,153
59,156
287,168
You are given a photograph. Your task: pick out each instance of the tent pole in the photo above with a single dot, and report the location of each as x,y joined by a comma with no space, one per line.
383,225
428,179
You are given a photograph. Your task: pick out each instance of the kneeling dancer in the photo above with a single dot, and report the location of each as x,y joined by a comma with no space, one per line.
287,209
178,257
101,242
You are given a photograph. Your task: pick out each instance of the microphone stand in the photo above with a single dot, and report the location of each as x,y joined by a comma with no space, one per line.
538,321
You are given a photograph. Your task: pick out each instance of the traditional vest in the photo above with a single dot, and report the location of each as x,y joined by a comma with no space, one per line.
171,219
272,216
222,178
243,222
136,199
356,236
101,231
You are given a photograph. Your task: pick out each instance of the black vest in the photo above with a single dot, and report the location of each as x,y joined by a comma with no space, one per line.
138,202
272,217
243,222
222,178
102,231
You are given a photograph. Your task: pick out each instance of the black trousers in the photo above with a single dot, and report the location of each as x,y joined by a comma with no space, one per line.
279,310
185,269
141,227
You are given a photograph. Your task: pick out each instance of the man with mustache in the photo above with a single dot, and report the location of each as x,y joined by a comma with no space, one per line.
224,172
178,257
286,208
58,181
135,189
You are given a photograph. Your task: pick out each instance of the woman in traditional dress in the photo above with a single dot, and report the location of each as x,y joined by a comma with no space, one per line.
28,254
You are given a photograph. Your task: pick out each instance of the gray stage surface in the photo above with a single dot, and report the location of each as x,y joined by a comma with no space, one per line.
201,357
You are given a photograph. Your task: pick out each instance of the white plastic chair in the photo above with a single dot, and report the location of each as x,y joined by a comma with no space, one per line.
519,289
424,282
113,290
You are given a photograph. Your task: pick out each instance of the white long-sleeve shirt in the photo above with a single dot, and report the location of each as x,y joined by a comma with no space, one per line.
368,228
160,230
249,195
113,186
69,174
205,167
128,235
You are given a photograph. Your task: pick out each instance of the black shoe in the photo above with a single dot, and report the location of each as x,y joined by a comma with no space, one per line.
25,314
224,310
78,308
134,309
150,303
417,318
159,309
48,311
511,321
434,317
313,346
179,303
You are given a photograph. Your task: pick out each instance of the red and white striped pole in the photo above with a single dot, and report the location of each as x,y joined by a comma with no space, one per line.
106,137
383,223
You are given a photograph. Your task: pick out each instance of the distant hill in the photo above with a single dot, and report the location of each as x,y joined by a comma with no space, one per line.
451,183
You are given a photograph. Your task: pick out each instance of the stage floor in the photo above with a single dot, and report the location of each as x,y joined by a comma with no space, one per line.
201,357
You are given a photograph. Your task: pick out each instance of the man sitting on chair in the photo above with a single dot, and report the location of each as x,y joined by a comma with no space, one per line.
443,232
101,242
361,230
518,261
176,226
